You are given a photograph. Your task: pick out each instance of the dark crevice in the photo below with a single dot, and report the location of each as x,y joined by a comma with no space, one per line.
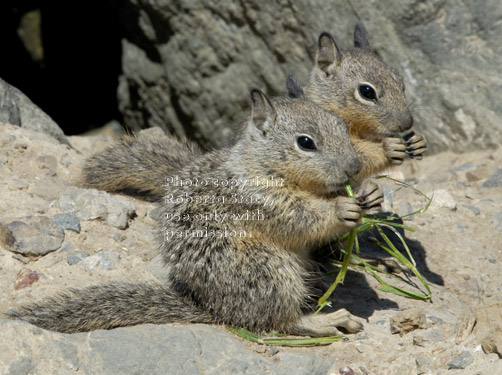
75,80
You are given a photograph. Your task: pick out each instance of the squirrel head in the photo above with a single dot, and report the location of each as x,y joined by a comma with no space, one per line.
297,141
359,87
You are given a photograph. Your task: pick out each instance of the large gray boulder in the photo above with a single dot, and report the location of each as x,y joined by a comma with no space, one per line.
143,349
188,65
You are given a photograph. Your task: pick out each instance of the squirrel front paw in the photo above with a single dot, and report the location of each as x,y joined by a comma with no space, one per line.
395,150
415,145
369,195
348,211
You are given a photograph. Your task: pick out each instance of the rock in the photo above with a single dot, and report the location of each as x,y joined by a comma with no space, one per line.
17,184
477,174
423,364
463,167
49,188
25,277
68,221
144,349
17,109
105,259
495,180
496,222
492,343
387,199
407,321
90,204
48,162
156,214
476,211
442,198
461,362
428,336
74,258
488,327
346,370
66,246
187,68
403,209
91,262
31,235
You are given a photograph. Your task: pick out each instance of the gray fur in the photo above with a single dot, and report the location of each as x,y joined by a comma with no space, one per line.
259,281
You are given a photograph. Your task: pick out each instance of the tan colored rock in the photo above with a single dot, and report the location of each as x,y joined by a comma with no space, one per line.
407,321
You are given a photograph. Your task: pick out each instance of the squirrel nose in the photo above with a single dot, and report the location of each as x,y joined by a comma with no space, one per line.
353,166
406,121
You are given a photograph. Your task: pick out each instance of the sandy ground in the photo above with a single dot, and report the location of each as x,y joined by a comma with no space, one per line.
457,246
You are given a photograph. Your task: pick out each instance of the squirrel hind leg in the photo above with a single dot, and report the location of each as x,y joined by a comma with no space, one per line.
331,324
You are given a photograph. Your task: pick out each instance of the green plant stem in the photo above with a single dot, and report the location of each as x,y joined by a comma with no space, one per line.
307,341
352,238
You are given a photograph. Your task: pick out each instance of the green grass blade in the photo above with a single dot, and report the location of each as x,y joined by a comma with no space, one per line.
278,341
352,238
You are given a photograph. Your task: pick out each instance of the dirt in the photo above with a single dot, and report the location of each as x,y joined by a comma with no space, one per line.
457,245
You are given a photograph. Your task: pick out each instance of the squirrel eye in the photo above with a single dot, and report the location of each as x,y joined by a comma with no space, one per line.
367,92
306,143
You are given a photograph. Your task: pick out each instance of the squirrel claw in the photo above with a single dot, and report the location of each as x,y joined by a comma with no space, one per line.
369,194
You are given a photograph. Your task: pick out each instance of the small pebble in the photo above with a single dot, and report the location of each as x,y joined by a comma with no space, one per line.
105,259
496,222
463,167
476,211
67,246
407,321
495,180
477,174
156,214
25,277
362,336
74,258
20,145
405,208
118,237
68,221
461,362
443,198
346,371
21,258
17,184
47,162
492,343
423,364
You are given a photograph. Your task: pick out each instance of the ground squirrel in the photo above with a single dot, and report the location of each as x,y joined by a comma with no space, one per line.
237,230
368,95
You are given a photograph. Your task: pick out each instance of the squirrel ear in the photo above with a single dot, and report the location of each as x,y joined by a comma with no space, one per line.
361,37
294,88
327,53
262,110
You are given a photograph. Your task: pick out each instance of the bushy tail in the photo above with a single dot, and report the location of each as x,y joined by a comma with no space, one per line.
138,165
109,306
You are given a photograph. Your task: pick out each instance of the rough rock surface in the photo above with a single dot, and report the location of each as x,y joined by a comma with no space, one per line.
148,349
17,109
188,66
457,251
31,235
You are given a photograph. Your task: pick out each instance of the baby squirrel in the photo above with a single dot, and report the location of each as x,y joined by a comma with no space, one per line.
238,227
368,95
